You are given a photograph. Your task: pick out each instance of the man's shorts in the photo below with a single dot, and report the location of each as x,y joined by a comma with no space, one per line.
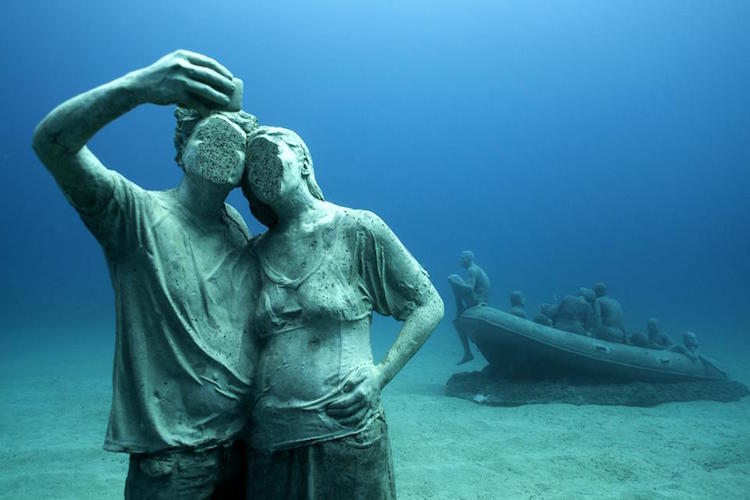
216,473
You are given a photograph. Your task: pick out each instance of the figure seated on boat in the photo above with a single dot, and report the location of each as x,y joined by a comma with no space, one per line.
654,338
544,315
609,322
473,291
689,346
573,314
517,304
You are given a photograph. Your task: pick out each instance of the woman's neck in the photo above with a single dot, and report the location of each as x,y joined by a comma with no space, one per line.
299,211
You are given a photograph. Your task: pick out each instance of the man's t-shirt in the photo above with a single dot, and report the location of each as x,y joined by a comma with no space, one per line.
183,287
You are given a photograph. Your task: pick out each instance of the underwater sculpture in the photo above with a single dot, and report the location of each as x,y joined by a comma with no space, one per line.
318,429
181,274
610,319
523,349
573,314
558,357
474,291
654,338
517,304
689,348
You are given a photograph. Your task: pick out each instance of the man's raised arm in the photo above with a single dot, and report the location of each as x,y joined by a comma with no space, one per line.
182,77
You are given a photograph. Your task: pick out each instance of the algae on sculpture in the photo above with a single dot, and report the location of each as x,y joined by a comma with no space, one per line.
181,274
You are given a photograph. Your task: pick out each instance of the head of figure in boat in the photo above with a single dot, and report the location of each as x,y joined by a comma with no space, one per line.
213,147
467,258
690,340
517,299
600,289
278,164
653,327
587,294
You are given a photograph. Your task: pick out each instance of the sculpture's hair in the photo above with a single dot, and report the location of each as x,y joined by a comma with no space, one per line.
260,210
188,118
468,254
516,298
600,289
587,294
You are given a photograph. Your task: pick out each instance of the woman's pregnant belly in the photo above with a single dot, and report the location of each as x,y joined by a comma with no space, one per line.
305,364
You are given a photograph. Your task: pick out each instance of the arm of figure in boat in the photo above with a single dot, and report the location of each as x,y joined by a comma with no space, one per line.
471,277
549,310
458,283
183,77
588,323
596,320
679,348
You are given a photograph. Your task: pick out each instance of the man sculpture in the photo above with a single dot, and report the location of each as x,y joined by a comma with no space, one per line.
181,275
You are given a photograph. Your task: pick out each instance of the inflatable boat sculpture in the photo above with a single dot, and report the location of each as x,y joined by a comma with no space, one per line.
534,363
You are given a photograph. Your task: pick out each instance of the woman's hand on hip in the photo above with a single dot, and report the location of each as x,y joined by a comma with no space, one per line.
361,394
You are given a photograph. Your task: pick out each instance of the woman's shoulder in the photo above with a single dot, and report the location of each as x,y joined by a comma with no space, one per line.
359,219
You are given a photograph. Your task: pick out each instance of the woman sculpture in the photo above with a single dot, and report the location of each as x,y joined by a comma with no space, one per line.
318,429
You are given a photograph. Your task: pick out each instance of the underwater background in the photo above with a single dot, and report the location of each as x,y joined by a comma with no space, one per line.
565,143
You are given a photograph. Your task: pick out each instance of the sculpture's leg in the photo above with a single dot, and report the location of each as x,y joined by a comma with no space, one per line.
463,302
459,296
215,473
468,356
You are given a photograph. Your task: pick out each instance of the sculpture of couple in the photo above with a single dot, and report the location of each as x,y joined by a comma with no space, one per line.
222,338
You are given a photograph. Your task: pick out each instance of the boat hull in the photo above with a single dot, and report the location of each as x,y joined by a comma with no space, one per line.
522,348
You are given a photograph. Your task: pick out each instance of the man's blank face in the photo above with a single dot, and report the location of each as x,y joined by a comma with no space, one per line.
215,151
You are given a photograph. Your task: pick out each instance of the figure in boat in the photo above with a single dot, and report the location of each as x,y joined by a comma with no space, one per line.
654,338
609,316
574,313
517,304
474,290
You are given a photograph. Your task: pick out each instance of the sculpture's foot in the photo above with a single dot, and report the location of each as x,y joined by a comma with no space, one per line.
467,357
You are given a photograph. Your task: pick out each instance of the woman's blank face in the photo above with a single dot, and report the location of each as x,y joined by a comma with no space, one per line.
273,169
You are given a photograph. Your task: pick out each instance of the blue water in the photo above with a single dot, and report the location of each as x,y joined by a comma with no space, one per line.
563,142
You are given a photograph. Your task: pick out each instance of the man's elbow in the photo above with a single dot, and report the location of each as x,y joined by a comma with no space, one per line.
47,149
40,143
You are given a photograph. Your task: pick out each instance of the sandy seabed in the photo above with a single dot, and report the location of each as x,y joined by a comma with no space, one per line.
54,407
